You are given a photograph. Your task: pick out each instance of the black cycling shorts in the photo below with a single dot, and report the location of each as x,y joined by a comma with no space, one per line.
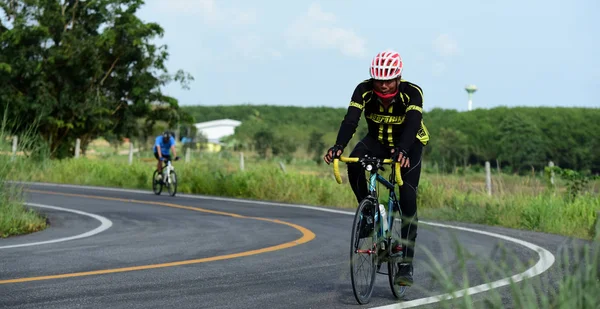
167,157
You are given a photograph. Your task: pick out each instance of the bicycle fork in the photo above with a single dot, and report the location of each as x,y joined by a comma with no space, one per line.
167,173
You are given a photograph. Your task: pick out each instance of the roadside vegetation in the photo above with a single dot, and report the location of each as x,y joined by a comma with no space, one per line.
569,207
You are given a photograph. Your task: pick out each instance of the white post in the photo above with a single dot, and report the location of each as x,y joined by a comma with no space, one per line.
241,161
282,166
488,177
597,226
14,147
187,154
77,147
130,152
551,165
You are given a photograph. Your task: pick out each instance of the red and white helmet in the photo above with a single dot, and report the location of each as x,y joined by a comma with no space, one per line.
386,65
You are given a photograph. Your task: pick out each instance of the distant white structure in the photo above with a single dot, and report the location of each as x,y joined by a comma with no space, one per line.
216,129
470,90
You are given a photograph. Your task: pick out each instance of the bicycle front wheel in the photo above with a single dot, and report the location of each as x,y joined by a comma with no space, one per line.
156,183
363,252
173,183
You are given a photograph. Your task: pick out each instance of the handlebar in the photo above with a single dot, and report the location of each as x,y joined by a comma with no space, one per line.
165,160
338,177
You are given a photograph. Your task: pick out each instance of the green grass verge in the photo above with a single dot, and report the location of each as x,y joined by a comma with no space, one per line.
542,211
16,219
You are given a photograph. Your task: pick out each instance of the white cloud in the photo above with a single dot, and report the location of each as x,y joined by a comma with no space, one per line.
251,46
207,10
317,29
445,45
316,13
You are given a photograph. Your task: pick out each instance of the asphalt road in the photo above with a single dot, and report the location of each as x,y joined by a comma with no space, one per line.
198,252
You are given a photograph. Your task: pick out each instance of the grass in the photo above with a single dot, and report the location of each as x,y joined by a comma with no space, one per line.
573,282
517,202
15,218
541,212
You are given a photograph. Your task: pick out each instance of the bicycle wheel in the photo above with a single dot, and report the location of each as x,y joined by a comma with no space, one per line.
173,184
156,183
395,232
363,252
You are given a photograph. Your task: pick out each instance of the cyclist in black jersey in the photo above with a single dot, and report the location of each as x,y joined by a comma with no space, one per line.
393,110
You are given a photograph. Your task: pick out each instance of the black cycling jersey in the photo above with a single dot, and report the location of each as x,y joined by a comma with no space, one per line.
396,126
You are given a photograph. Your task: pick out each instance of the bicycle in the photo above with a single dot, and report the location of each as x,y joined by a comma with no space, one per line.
169,178
383,247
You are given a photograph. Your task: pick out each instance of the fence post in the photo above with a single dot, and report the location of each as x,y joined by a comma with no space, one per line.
597,227
488,177
241,161
551,165
282,166
14,147
130,152
187,154
77,147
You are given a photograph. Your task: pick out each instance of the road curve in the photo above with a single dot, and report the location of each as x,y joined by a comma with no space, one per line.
192,252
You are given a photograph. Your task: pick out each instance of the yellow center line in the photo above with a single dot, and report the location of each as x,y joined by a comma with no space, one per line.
307,235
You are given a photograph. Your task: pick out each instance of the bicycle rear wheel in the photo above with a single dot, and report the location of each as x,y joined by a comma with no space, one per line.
173,184
395,233
156,183
363,252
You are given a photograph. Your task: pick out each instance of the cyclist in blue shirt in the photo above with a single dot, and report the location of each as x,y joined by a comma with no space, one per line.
163,145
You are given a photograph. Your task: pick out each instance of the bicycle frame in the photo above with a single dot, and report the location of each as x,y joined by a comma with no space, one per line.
167,168
373,179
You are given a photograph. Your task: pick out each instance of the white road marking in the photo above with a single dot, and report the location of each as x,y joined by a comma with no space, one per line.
104,225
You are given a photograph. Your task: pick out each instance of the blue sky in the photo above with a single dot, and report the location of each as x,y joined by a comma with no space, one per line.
313,53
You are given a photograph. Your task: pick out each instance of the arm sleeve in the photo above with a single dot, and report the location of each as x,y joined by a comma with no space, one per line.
414,116
351,119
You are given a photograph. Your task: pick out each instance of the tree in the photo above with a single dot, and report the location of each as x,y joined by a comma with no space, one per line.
567,134
522,143
316,146
452,147
82,69
284,146
262,142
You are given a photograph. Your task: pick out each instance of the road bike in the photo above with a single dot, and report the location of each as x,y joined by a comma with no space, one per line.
375,241
167,179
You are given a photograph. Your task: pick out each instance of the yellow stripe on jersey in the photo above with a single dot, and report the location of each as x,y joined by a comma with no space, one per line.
357,105
414,108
